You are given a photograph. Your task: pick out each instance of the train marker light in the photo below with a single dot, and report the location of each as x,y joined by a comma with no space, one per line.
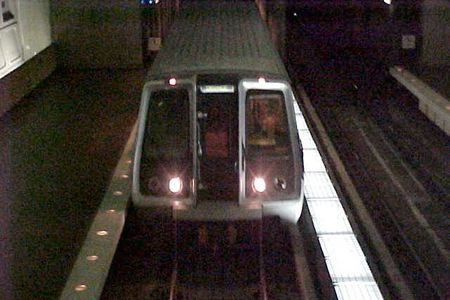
261,80
175,185
259,185
172,81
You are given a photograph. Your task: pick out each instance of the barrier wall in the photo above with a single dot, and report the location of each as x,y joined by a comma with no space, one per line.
24,35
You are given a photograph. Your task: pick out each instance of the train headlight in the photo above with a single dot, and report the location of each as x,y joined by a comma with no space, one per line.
172,81
259,184
175,185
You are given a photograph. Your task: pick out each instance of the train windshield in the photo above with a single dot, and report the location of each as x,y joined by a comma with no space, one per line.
267,130
167,132
165,152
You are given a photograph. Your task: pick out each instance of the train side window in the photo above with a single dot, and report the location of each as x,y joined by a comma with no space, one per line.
267,130
167,128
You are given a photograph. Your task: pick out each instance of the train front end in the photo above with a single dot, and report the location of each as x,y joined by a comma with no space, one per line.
218,148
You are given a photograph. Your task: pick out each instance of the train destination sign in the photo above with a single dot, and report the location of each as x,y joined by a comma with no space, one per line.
217,89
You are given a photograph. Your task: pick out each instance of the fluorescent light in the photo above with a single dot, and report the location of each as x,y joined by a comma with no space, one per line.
346,263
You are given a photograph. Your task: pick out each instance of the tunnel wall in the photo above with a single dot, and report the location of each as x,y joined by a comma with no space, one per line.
436,32
26,50
97,34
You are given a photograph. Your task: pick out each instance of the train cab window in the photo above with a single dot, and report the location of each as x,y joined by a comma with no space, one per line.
267,130
166,150
167,130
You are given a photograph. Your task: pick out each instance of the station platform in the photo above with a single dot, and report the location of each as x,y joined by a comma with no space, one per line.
438,78
58,148
431,87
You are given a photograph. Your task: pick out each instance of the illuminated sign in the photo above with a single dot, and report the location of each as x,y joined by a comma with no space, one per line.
216,89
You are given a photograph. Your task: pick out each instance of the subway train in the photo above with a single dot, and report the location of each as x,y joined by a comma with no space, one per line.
216,135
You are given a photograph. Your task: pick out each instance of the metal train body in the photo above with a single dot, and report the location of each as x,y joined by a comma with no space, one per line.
217,136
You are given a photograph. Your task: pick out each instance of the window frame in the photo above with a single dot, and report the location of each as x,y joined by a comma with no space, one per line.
140,199
284,87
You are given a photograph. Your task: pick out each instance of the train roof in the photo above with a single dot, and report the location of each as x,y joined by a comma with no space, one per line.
218,37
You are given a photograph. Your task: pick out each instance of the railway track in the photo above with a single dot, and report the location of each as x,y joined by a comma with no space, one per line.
163,259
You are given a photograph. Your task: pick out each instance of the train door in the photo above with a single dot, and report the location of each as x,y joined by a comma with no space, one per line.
218,142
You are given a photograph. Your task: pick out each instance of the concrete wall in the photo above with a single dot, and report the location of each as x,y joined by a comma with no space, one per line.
407,32
436,32
97,33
